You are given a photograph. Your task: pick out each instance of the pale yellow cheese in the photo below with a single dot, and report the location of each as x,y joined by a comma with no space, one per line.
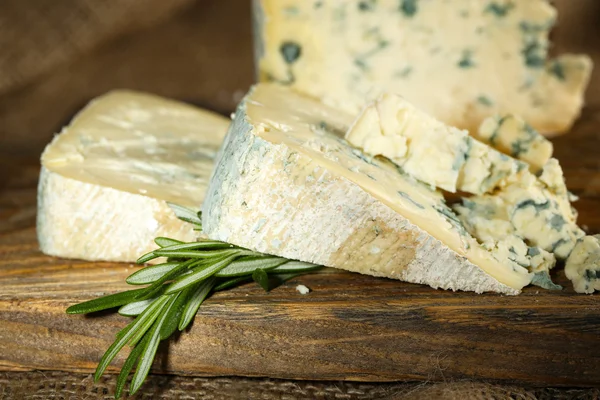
459,60
436,154
107,177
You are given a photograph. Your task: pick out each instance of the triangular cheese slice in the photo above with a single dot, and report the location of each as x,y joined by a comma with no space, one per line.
285,183
107,177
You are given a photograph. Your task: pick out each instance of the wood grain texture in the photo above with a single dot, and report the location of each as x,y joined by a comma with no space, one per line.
350,327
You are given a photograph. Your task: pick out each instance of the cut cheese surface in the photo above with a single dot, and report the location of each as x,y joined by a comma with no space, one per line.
284,173
107,177
434,153
459,60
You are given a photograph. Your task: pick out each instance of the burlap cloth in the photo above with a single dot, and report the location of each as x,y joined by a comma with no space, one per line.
57,54
62,385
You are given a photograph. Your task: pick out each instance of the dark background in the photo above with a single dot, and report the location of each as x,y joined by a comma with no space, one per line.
56,55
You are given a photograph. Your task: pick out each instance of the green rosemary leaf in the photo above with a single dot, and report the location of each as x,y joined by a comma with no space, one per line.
194,253
172,320
164,242
204,244
157,287
247,265
151,273
201,291
178,250
146,257
176,289
142,323
200,274
135,308
260,276
147,356
229,283
185,214
140,334
296,266
105,302
128,366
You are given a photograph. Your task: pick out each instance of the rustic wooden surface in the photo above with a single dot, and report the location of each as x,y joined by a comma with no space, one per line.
349,327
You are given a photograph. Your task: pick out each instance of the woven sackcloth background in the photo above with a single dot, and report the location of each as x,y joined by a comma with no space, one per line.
55,55
69,386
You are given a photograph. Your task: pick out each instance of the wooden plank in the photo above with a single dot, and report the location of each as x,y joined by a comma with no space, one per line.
350,327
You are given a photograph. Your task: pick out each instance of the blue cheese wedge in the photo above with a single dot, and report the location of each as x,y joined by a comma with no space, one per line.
107,177
513,136
285,183
583,265
460,61
538,210
434,153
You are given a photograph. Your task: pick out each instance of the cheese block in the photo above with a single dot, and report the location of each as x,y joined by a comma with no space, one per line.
583,265
434,153
460,61
538,210
286,183
513,136
107,177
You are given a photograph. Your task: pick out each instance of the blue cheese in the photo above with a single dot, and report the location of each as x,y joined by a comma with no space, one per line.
528,207
513,136
583,265
434,153
107,177
460,61
514,248
322,201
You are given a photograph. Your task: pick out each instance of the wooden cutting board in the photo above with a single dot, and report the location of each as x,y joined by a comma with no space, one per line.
350,326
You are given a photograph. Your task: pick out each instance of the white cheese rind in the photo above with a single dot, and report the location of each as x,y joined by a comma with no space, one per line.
107,177
583,265
98,223
459,60
281,187
432,152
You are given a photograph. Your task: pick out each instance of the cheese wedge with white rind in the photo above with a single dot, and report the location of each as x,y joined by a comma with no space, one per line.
285,183
107,177
430,151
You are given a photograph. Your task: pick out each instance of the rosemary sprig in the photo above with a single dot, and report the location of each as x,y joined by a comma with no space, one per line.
176,289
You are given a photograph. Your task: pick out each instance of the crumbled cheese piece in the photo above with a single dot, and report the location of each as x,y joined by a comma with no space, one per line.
302,289
583,265
513,136
438,155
